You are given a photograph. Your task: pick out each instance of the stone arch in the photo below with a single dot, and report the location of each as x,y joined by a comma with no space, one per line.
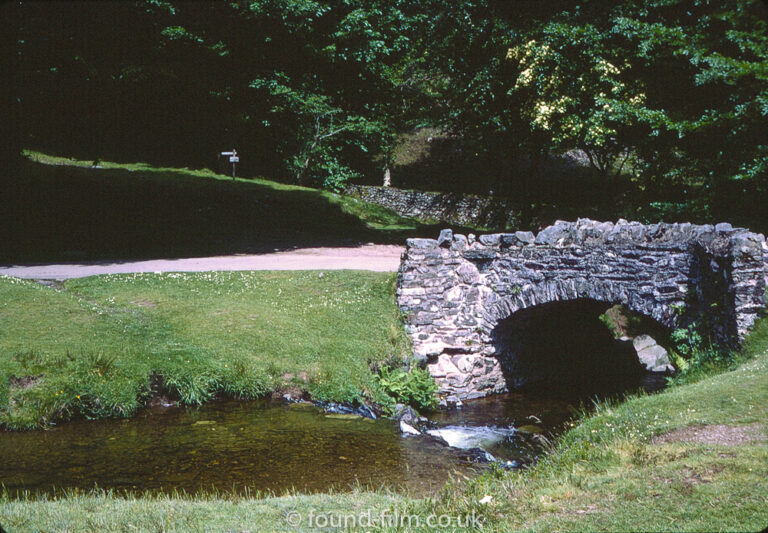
454,290
564,346
538,293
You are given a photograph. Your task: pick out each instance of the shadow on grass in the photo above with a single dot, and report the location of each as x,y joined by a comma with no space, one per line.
70,212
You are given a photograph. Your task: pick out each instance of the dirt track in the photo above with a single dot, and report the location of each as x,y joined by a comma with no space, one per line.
379,258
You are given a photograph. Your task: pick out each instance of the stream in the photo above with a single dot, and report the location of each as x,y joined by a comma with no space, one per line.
273,446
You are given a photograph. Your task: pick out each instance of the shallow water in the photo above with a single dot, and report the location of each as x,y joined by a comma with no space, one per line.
268,446
227,446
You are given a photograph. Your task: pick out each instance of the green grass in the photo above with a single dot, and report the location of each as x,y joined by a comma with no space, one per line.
59,209
374,216
96,347
107,512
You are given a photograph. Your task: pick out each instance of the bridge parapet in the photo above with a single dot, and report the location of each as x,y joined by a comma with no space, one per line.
455,289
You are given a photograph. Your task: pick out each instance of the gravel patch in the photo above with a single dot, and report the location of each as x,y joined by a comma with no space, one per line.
715,434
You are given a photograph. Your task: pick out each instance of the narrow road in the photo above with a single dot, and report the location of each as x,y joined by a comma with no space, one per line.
375,257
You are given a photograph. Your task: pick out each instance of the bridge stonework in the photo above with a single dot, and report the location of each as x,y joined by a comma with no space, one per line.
454,290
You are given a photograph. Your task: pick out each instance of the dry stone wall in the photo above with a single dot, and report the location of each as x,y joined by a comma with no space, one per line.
449,208
455,289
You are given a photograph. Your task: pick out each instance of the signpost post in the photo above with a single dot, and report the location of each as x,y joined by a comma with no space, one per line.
233,158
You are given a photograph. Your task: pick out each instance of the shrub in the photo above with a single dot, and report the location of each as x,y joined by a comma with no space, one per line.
416,387
687,341
696,357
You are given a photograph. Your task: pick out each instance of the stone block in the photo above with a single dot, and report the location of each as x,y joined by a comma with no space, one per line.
479,252
519,238
490,240
458,379
525,237
459,243
421,243
723,226
554,235
643,341
446,238
465,363
468,273
430,349
651,355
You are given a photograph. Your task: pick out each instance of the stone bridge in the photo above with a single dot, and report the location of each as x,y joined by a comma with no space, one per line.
456,291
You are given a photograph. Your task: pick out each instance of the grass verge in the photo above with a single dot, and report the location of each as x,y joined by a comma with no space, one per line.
103,345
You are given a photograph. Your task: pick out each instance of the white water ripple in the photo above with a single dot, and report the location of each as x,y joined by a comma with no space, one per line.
466,437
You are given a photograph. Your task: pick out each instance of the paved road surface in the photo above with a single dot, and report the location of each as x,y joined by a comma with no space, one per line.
379,258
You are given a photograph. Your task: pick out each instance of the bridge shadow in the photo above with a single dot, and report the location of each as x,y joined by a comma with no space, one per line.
564,349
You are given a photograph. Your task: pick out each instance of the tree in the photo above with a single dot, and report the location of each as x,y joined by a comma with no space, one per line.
673,91
10,42
706,68
301,87
680,85
575,97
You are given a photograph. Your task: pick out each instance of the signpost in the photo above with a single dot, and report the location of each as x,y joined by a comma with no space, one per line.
233,158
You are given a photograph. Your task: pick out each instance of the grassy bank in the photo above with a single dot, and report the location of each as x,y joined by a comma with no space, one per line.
691,458
102,346
61,209
107,512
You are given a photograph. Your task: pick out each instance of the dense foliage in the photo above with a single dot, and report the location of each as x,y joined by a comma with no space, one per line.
677,89
414,387
302,88
666,100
